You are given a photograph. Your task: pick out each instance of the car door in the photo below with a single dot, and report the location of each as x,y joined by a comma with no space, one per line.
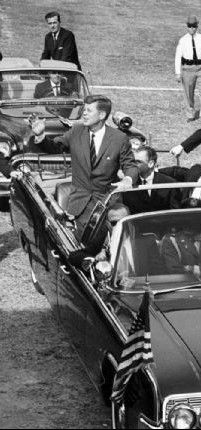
35,232
72,304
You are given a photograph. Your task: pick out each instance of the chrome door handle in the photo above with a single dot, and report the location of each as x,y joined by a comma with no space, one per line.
54,254
63,268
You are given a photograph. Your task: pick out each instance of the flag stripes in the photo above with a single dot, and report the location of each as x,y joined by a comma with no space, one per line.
137,352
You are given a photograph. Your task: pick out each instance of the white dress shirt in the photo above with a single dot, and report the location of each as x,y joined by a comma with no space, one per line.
55,35
53,85
149,180
185,49
98,138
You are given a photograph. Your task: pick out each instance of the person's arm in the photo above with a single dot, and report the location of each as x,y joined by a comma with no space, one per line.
37,92
178,57
70,50
46,53
127,161
47,143
192,141
187,145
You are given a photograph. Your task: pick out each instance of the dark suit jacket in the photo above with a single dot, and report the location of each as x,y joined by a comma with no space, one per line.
64,50
174,260
192,141
92,185
45,89
159,199
147,259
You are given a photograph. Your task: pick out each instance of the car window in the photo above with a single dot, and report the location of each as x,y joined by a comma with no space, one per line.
24,85
161,249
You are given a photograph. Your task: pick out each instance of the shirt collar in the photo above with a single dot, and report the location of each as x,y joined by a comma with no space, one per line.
54,85
100,133
149,178
56,35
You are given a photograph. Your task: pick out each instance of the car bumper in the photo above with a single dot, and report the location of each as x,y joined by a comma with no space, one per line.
146,423
4,186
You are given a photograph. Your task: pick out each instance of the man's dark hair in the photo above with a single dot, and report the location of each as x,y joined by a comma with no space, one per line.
103,103
151,152
51,15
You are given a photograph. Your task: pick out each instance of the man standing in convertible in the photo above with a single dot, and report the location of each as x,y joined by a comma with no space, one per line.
97,151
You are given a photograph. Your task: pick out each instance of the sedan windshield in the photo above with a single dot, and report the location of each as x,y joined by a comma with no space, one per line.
35,84
163,249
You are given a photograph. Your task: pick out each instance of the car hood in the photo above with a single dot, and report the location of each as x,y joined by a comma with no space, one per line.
176,338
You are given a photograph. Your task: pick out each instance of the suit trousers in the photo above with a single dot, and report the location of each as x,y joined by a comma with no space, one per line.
190,74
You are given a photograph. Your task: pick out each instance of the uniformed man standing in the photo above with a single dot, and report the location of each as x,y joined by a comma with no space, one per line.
188,63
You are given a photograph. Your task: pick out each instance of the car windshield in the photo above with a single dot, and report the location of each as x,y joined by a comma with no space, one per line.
32,84
163,249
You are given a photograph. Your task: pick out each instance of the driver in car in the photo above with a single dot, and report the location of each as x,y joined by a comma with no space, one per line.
56,85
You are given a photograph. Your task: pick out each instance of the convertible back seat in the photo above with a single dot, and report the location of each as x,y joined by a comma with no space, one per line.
62,193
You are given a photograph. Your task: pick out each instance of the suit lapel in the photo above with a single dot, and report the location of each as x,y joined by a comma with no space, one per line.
107,139
85,147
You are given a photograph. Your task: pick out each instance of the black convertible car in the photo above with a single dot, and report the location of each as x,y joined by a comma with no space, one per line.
19,100
96,301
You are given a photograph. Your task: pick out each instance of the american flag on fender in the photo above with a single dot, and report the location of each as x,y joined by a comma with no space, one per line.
137,352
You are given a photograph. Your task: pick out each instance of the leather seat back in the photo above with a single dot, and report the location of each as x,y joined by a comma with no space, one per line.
62,194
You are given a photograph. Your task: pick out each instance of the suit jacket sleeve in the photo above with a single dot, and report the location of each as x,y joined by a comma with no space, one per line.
46,52
37,93
69,47
171,257
58,145
192,141
127,161
175,199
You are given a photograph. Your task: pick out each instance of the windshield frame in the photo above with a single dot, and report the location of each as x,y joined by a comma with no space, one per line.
84,89
146,281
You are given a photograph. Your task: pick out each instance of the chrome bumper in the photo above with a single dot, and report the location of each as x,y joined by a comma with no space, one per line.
146,423
4,186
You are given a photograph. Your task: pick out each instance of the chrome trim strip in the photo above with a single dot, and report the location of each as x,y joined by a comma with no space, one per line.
153,380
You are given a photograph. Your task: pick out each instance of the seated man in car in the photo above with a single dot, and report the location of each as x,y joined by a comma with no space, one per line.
56,85
151,200
179,251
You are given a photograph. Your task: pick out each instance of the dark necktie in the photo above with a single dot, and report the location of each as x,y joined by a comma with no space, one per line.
195,58
54,39
92,152
144,182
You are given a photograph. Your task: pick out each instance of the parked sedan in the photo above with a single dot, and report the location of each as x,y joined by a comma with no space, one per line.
96,301
25,92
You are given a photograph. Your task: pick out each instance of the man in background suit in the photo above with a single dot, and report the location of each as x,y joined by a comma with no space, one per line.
152,200
97,153
55,85
59,43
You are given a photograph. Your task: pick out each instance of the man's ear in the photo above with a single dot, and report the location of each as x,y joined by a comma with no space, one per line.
102,115
151,164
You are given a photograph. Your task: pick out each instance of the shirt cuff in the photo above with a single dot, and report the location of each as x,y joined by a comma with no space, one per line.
39,139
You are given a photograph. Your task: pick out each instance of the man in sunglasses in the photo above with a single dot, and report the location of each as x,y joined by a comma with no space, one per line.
188,63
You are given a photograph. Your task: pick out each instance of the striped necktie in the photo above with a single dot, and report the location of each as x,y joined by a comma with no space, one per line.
195,58
92,152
